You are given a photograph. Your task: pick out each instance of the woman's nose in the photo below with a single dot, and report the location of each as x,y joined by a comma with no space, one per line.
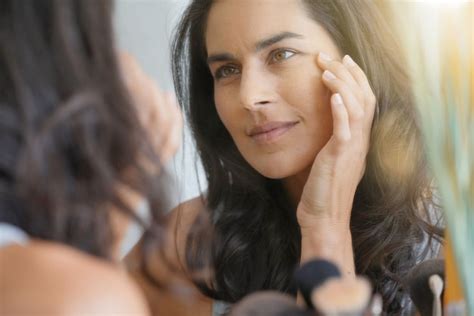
256,89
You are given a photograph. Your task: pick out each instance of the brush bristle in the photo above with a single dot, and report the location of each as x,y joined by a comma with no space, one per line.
339,295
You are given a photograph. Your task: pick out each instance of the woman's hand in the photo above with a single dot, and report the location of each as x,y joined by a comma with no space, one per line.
157,110
326,202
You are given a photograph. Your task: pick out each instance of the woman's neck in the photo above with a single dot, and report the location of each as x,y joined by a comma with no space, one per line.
294,185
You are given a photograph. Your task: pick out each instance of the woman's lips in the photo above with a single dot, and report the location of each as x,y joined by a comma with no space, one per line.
271,131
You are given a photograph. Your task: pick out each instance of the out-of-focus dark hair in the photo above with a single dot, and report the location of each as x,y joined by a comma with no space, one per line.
69,132
257,240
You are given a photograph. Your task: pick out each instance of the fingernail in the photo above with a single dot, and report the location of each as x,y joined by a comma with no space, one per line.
348,61
324,57
328,75
337,99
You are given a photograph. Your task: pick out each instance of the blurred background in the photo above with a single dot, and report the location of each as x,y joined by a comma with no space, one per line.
144,29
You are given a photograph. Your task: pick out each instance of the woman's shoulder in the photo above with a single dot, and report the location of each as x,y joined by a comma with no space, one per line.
181,221
54,279
190,208
184,216
171,260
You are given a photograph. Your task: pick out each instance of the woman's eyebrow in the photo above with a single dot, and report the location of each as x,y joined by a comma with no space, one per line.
275,39
269,41
219,58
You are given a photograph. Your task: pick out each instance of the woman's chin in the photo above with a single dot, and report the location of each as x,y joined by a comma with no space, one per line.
282,164
278,171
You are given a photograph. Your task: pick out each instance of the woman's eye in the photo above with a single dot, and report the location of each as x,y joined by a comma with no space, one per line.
226,71
281,55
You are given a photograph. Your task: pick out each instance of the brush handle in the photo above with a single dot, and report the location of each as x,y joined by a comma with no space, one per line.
437,306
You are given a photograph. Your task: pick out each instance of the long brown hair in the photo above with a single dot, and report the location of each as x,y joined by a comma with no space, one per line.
69,132
257,243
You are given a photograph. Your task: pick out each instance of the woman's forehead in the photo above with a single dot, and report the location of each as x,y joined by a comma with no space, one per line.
244,23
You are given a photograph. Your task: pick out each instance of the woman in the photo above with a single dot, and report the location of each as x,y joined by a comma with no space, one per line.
304,120
78,153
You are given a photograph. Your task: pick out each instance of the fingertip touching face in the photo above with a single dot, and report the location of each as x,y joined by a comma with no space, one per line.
268,89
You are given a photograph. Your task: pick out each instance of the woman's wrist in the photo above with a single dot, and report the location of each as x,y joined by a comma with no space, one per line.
331,241
310,219
323,241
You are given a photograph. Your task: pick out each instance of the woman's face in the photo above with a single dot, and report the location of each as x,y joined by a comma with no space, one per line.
267,85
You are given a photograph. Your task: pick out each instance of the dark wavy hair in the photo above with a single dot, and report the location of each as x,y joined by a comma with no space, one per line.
69,132
256,244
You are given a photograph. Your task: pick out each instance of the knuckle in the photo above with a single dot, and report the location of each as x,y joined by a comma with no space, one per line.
371,99
343,88
338,67
344,139
359,94
358,114
360,73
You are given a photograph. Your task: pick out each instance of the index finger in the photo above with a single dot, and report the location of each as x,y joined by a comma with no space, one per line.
361,79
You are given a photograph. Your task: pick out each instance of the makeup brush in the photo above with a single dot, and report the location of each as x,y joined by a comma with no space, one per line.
313,274
323,288
342,296
269,303
417,282
376,306
436,286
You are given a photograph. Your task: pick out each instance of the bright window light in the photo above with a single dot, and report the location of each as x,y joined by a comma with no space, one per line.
445,3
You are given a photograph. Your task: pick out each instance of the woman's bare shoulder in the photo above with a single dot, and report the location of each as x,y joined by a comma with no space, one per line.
52,279
190,209
182,220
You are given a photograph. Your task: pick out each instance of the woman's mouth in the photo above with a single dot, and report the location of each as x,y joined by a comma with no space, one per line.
271,131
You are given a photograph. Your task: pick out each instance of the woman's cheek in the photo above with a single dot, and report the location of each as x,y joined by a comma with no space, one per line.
304,89
309,97
225,107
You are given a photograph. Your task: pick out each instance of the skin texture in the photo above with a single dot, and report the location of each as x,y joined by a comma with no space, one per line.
265,85
301,80
320,160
